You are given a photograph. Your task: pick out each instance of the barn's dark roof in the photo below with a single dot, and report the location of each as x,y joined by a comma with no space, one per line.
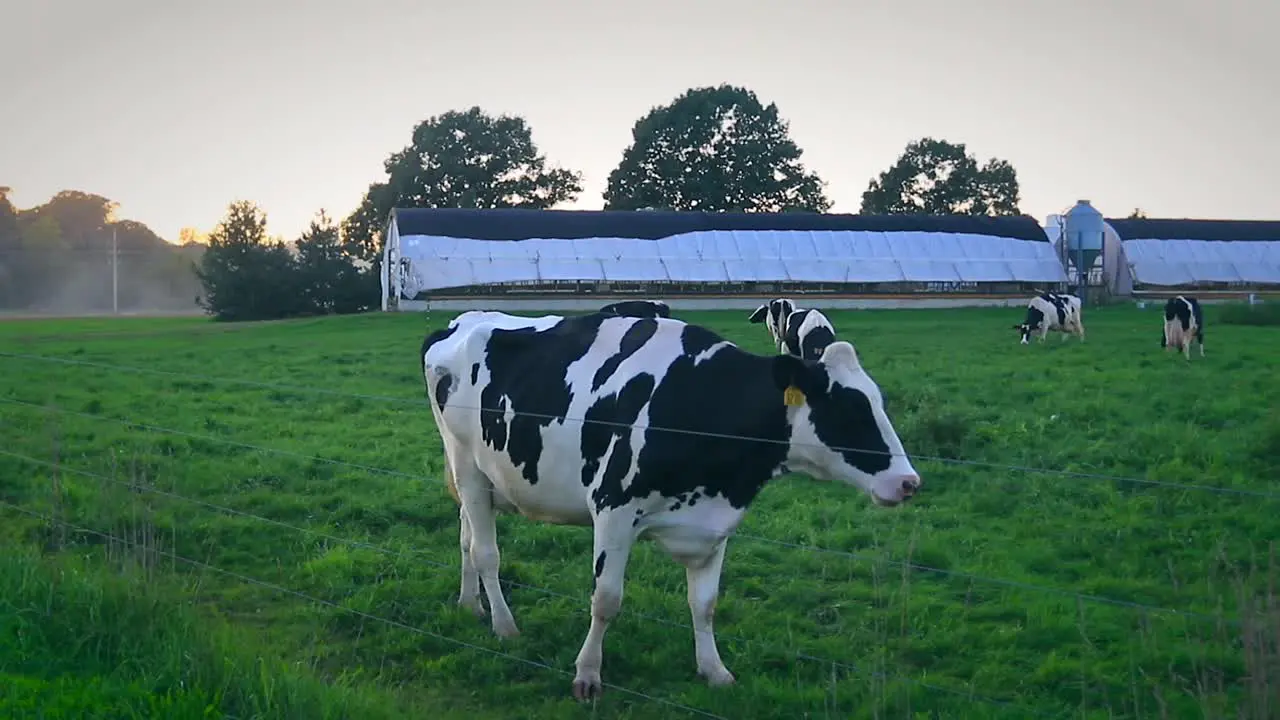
519,224
1171,229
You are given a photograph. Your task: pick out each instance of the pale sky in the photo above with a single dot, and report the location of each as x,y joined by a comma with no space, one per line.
175,108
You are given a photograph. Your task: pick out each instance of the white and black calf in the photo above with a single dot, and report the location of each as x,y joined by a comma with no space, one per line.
640,428
638,309
1183,323
1051,311
807,333
774,315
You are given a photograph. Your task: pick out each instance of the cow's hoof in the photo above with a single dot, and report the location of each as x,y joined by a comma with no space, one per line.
474,605
506,629
587,686
718,678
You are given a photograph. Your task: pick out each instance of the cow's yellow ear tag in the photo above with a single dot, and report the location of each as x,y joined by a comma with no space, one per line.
792,396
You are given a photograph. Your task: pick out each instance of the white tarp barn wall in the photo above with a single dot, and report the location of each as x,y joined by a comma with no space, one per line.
1189,253
441,249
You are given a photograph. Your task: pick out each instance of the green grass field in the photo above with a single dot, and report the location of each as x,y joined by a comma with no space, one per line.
999,592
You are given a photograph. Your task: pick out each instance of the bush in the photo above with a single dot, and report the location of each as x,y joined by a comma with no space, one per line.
247,277
1245,314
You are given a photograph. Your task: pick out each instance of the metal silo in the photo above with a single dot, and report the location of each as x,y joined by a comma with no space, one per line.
1084,230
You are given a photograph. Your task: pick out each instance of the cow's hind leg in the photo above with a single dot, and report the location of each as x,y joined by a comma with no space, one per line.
613,537
476,493
469,594
703,576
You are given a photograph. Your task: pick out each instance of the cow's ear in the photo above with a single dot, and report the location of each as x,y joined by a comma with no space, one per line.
790,371
758,315
787,371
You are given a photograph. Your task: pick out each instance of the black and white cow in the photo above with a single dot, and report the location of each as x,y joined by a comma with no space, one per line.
638,309
1052,311
1183,323
807,333
640,427
774,315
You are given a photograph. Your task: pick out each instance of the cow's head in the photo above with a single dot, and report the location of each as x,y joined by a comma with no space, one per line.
1034,317
1024,331
774,315
839,428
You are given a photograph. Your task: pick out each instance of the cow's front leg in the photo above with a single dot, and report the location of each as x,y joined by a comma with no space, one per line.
613,537
703,576
476,494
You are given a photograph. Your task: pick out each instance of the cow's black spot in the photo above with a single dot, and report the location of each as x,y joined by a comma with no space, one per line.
622,410
600,563
475,372
427,342
1034,318
632,340
722,406
696,340
844,419
493,424
637,309
442,390
530,368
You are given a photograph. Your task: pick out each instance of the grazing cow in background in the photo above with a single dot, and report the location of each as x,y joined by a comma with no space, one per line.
1183,323
640,428
807,333
1051,311
774,315
638,309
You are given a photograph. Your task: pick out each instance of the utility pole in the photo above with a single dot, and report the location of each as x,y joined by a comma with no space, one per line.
115,273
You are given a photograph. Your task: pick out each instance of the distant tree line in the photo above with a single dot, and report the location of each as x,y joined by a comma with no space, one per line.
710,149
58,257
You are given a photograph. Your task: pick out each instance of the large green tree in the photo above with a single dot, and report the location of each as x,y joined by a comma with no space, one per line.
245,275
84,219
460,159
936,177
714,149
